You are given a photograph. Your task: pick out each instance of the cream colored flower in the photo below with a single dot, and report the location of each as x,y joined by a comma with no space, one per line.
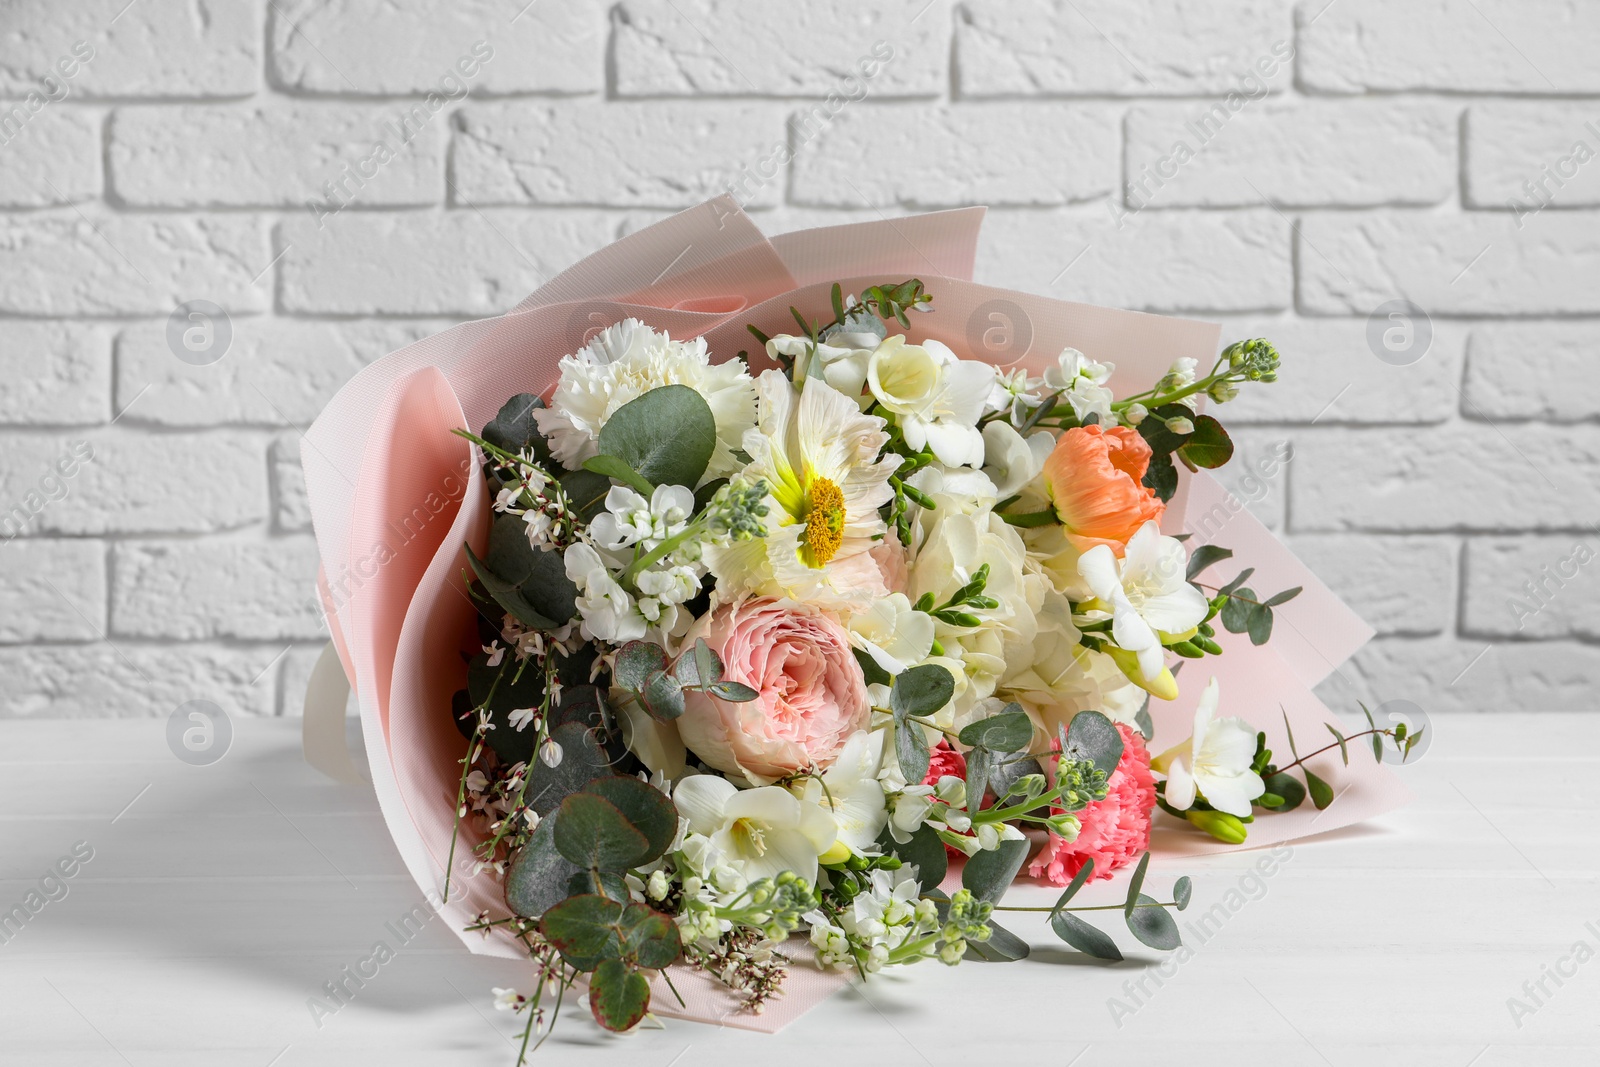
766,831
936,398
1215,762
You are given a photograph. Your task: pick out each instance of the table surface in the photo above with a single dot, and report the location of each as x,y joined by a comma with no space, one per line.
221,898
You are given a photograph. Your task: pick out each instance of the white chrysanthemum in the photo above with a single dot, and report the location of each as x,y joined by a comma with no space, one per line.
818,455
627,360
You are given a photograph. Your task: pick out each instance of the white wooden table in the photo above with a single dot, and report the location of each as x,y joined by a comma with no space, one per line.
221,898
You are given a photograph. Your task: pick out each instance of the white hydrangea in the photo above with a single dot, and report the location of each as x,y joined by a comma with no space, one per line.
627,360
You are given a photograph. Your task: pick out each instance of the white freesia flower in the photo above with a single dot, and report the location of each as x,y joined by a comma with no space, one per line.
1147,596
623,362
630,519
851,792
894,633
818,455
1082,383
935,397
841,360
1012,461
767,830
1215,762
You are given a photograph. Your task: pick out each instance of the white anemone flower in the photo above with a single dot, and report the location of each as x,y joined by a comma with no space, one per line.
622,363
767,830
1214,763
1148,596
818,455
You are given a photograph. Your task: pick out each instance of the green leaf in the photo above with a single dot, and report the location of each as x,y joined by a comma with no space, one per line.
608,884
619,996
1287,787
1153,926
874,674
1003,946
1161,477
1377,739
1078,881
618,470
1344,749
646,808
921,690
667,435
1283,597
1235,614
587,491
1153,429
1135,885
980,767
1182,889
635,662
699,667
1238,580
988,874
1209,446
1092,736
732,692
538,877
911,749
924,851
1259,624
1321,791
530,583
582,761
1008,731
1289,730
590,929
1083,937
514,428
593,832
1204,556
662,697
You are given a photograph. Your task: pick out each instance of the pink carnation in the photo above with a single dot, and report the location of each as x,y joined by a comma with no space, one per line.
944,760
1115,831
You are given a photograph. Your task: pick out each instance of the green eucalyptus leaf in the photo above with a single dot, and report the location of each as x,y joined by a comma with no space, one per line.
874,674
593,832
514,427
609,884
925,851
1236,614
667,435
583,759
1083,937
619,996
1009,731
921,690
1182,890
587,491
646,808
1204,556
538,877
1092,736
1321,792
662,696
911,749
1003,946
1078,881
1209,446
989,873
1287,787
1283,597
732,692
635,662
1153,926
618,470
1135,884
1161,477
698,667
980,768
1260,624
590,929
1344,748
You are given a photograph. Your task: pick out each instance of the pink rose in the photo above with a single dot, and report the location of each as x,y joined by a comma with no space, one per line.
812,695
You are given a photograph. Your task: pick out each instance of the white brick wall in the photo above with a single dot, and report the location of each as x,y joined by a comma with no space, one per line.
1284,167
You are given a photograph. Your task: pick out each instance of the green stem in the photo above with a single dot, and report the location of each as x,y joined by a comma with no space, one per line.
1096,907
1026,519
1331,747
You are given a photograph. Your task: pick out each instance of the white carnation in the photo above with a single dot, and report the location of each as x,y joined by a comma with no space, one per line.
627,360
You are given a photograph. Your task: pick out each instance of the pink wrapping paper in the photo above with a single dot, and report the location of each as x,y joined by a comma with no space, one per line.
394,496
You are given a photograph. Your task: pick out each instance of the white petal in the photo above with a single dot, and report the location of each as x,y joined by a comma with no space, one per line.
1180,785
703,799
1232,793
1098,567
769,805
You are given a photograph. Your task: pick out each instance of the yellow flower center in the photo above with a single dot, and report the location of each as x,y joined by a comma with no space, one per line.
824,522
750,838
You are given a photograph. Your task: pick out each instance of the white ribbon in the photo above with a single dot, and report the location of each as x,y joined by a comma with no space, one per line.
322,735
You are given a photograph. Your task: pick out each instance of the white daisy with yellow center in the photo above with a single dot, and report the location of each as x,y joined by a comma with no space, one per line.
819,456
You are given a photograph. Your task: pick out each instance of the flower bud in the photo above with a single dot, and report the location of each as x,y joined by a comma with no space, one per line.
1134,414
1180,424
1220,825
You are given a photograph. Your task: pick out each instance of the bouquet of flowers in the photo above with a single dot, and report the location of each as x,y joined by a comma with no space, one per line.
798,655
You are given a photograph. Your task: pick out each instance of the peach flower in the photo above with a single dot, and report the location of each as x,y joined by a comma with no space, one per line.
1093,476
812,694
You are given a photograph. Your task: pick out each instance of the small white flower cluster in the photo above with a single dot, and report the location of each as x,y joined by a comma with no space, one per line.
536,495
883,924
627,541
